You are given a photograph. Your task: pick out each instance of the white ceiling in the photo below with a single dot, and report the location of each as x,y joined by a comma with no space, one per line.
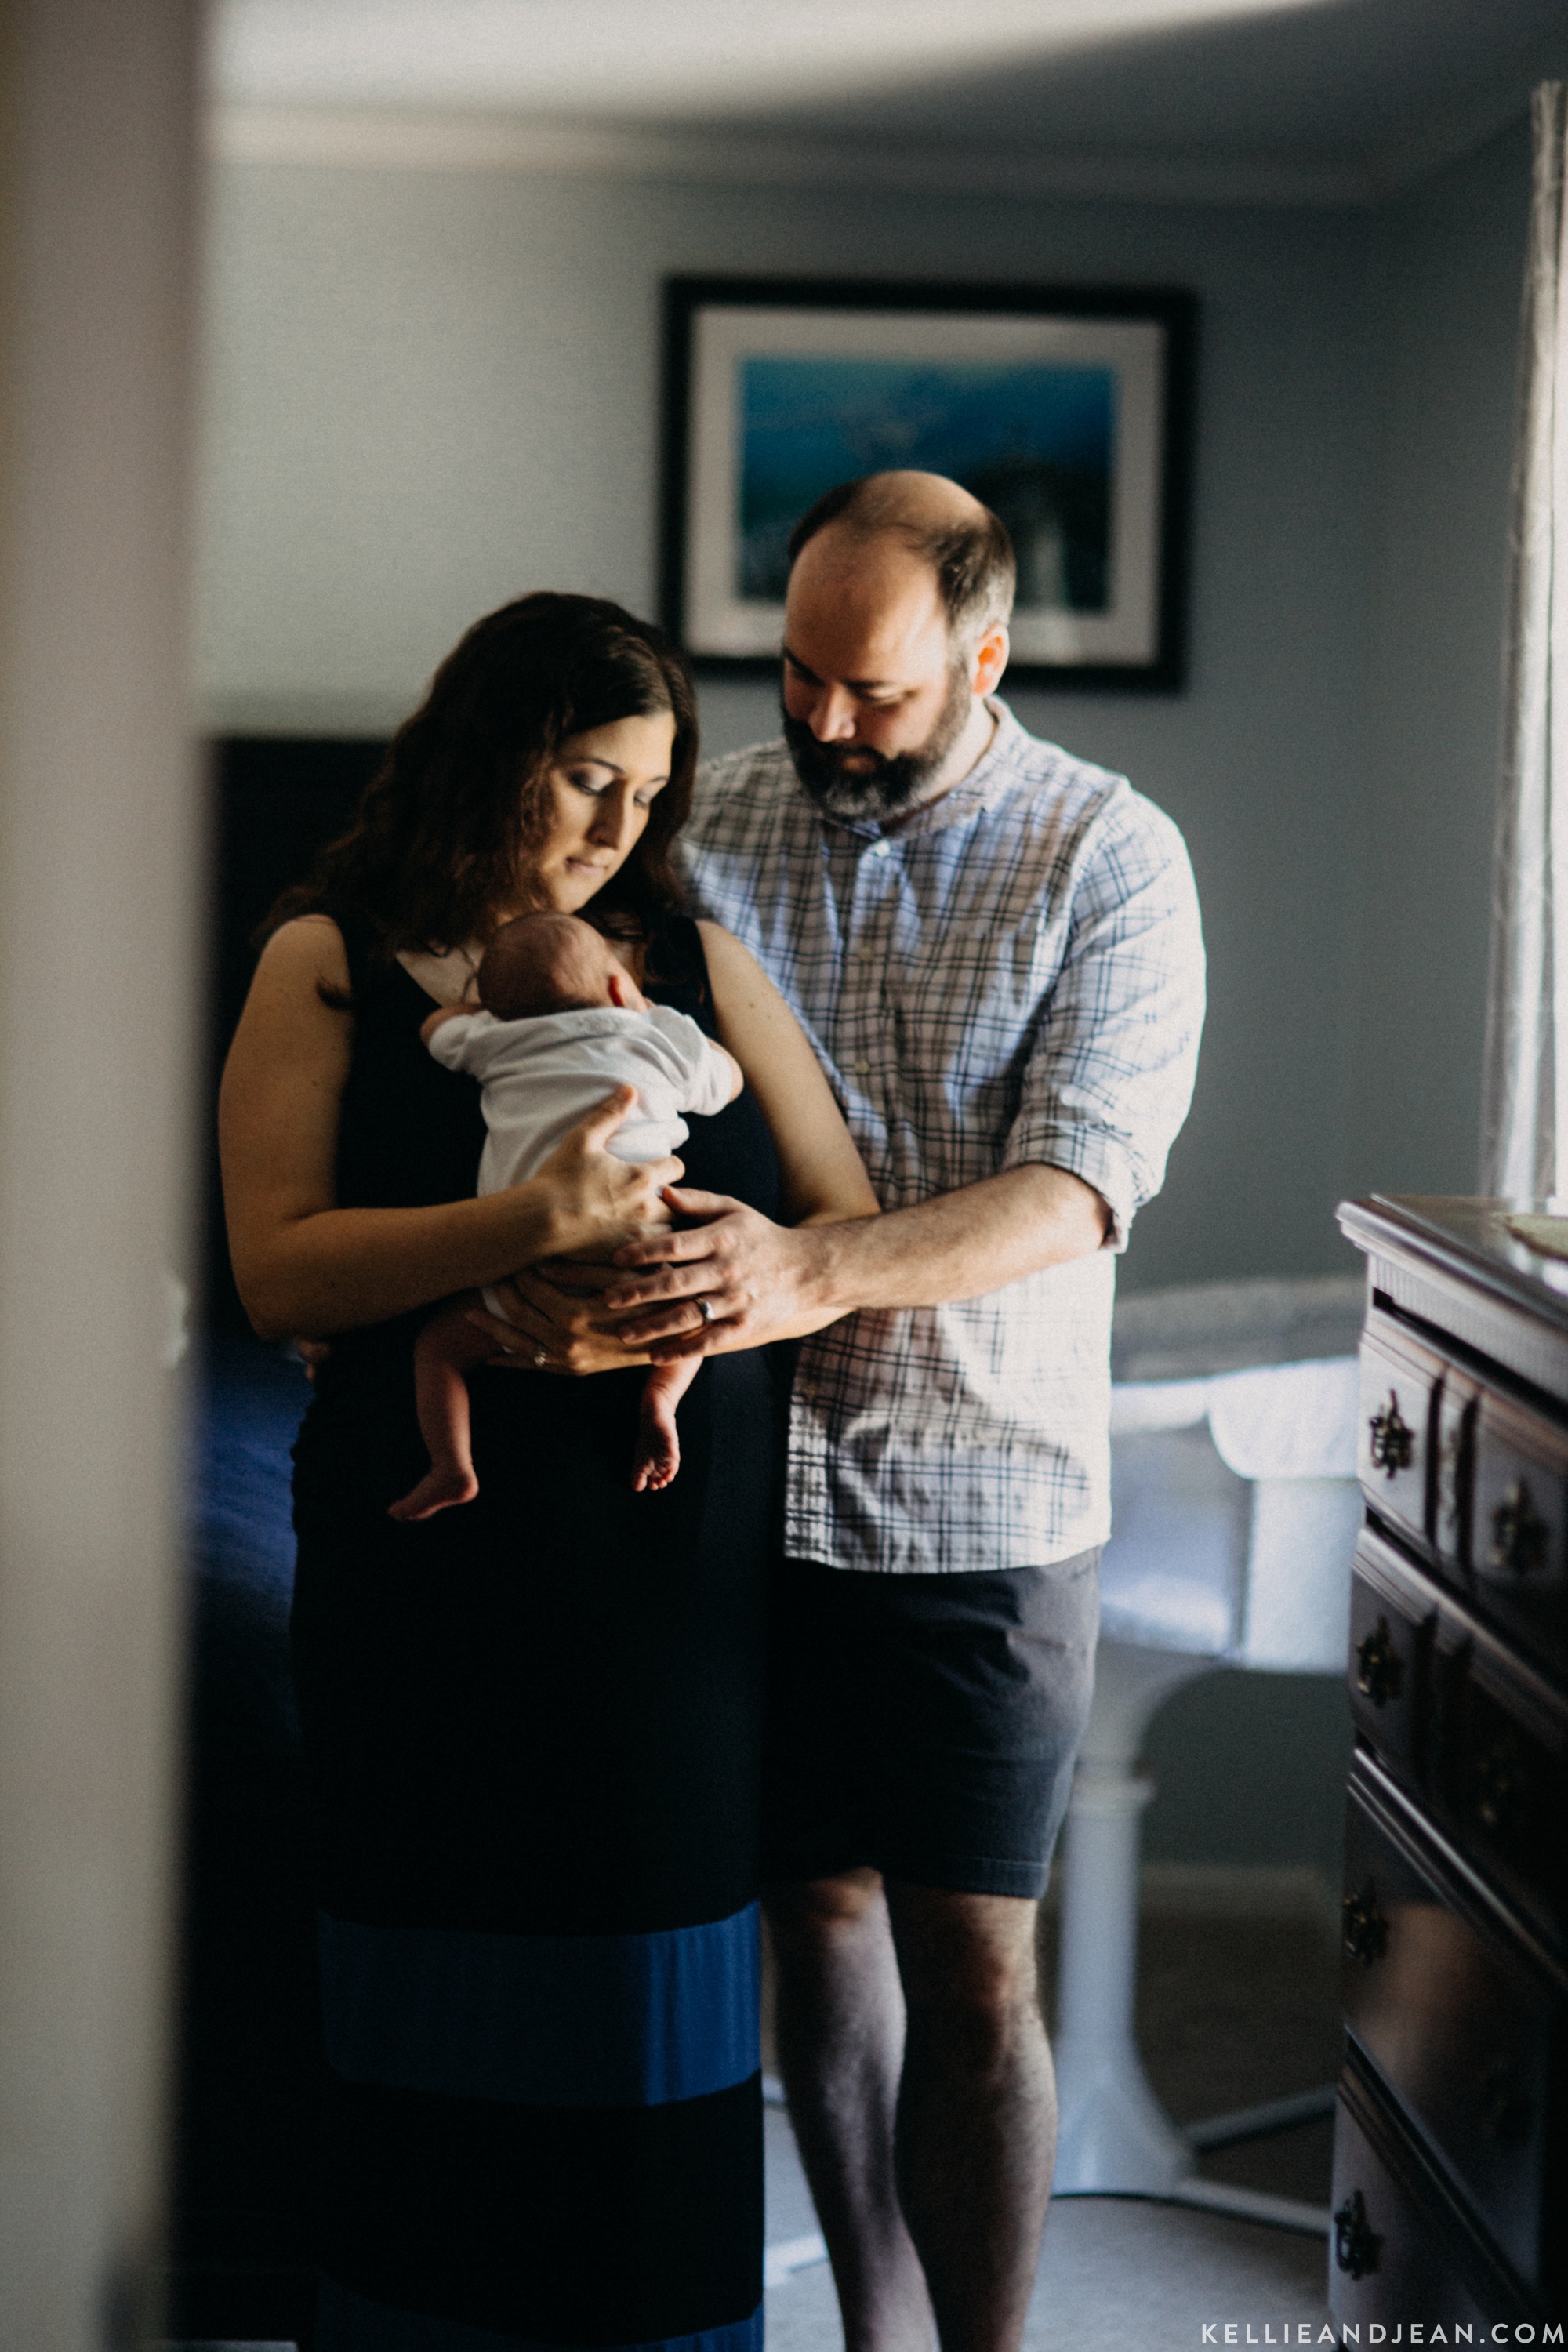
1361,93
662,59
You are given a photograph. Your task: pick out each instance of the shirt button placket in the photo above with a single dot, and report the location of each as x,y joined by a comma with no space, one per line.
864,1010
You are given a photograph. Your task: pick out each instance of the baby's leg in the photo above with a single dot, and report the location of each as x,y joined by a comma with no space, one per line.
658,1447
445,1351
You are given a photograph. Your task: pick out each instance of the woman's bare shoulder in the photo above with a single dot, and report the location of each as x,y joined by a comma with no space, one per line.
305,950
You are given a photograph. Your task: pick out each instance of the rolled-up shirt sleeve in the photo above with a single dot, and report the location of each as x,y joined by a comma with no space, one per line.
1110,1071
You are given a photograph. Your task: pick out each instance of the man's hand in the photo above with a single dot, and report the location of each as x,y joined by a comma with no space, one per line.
762,1281
755,1281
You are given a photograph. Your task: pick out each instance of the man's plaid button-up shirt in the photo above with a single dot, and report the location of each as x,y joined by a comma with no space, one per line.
1013,975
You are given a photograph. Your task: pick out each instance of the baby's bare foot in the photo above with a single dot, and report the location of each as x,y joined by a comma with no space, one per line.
658,1449
435,1491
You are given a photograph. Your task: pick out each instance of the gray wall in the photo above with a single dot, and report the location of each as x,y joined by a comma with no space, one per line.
1250,1769
429,391
1447,300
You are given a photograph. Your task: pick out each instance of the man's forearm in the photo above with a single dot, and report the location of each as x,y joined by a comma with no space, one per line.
731,1278
961,1244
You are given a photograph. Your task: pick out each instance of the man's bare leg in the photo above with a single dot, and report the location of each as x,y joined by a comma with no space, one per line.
976,2133
841,2047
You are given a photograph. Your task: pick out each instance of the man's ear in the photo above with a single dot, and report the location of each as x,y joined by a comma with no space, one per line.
990,661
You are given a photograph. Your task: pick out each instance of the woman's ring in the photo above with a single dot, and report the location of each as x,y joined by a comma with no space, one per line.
705,1308
540,1357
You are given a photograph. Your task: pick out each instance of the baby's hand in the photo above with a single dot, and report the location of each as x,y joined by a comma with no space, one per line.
433,1021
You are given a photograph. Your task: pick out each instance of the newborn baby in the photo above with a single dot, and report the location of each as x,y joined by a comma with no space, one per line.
563,1021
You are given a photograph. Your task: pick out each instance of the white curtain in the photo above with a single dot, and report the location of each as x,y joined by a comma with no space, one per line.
1524,1141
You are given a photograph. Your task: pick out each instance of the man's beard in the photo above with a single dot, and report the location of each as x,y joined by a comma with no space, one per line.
879,785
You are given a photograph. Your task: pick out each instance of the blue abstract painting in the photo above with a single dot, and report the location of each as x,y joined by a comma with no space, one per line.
1035,440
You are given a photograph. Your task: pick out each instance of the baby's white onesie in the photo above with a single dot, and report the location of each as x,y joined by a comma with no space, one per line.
542,1077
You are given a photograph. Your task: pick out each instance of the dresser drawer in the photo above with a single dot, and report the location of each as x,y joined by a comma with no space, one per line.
1399,2247
1518,1521
1497,1774
1394,1618
1457,2013
1473,1730
1401,1382
1476,1477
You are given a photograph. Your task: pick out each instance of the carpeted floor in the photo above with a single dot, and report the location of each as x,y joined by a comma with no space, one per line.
1118,2274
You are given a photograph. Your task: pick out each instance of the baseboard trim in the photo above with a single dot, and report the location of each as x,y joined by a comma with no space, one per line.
1200,1890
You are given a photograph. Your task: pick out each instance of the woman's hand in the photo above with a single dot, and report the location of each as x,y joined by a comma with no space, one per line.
555,1322
600,1202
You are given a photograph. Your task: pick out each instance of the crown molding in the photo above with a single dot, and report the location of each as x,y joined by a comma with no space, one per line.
1449,137
382,139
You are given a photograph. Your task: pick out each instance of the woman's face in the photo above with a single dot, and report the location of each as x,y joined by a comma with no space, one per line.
602,786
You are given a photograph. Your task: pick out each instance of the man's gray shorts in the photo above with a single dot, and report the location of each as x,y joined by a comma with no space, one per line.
926,1726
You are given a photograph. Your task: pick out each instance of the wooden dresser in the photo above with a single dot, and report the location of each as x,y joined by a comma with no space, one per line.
1451,2198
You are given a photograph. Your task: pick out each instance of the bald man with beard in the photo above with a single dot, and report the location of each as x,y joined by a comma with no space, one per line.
994,948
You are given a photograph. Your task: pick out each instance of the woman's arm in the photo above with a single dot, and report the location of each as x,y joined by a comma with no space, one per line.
823,1178
303,1265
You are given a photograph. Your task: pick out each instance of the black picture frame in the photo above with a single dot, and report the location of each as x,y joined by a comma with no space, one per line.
1133,507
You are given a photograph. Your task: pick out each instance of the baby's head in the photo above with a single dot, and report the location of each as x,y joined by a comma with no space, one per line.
553,963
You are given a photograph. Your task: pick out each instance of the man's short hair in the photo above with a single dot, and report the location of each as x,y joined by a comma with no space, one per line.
976,572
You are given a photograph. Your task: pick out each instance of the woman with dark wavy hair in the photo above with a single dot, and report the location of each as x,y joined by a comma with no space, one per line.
533,1723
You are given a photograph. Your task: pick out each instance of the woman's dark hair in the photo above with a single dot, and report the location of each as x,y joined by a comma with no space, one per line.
444,827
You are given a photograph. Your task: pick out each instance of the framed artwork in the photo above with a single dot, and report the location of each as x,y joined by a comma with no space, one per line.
1067,410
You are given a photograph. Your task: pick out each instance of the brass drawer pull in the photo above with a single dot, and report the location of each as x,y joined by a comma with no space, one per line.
1380,1668
1356,2242
1519,1535
1392,1440
1365,1929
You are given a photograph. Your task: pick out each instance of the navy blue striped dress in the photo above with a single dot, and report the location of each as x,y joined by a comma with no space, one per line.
532,1729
